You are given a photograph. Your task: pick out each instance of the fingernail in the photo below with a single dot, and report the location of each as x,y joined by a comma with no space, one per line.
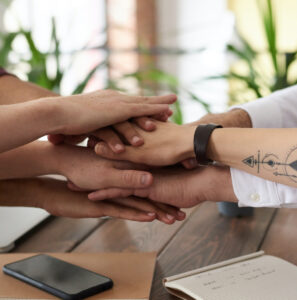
99,148
145,179
91,196
149,124
136,140
119,147
151,214
170,217
181,214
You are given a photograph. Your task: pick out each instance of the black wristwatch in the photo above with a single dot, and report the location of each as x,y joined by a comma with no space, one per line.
201,139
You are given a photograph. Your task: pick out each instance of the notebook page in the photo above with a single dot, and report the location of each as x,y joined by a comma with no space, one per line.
262,278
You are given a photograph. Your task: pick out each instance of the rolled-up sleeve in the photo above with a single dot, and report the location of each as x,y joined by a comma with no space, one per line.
279,110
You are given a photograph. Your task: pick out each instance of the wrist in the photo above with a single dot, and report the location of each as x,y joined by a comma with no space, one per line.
58,157
234,118
213,184
51,112
186,144
48,158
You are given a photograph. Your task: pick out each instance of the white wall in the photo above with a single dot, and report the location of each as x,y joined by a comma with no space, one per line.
194,24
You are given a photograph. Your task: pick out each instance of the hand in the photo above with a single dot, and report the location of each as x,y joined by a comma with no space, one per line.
82,167
53,196
168,145
113,135
66,203
180,187
82,114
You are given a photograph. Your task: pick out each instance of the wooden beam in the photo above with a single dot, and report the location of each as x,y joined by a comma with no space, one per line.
146,24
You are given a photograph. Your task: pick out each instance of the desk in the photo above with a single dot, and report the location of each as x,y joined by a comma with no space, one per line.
203,238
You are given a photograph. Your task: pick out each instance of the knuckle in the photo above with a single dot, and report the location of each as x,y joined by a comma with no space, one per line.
128,177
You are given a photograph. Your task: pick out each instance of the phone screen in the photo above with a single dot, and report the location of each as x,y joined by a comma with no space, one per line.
45,272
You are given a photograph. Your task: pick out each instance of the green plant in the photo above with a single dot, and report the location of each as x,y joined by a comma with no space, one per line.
37,60
254,80
151,81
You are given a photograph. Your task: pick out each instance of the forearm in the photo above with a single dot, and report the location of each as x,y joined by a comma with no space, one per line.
267,153
234,118
14,90
34,159
25,122
34,192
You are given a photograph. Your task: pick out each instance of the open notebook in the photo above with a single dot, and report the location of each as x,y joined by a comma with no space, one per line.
251,277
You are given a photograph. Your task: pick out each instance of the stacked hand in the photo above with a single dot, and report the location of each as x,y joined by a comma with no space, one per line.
167,145
127,151
86,172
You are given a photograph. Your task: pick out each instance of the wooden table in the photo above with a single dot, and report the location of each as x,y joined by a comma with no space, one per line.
203,238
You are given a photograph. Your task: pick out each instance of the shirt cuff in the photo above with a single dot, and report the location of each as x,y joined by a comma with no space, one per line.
264,112
253,191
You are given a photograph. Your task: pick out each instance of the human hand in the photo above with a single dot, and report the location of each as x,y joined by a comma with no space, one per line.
85,170
82,114
54,196
180,187
168,145
114,135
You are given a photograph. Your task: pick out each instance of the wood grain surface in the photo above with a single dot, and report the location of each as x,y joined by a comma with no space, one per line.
203,238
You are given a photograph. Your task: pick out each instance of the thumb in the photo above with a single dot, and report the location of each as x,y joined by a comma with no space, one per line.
131,179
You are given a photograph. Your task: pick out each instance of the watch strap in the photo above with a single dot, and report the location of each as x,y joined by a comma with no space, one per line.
201,139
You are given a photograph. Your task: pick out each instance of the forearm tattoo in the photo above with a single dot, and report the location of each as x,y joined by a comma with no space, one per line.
271,162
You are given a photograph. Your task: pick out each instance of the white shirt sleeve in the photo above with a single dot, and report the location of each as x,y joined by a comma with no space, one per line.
278,110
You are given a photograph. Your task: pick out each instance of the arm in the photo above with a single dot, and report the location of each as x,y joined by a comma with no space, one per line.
54,196
79,165
14,90
268,153
73,115
180,187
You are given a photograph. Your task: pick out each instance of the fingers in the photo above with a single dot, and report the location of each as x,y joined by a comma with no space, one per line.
57,139
165,99
103,150
110,193
148,124
74,139
171,210
129,179
108,208
165,215
127,130
145,123
110,137
140,110
161,213
163,117
190,163
92,142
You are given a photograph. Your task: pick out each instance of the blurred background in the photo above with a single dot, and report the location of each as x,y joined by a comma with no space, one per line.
211,53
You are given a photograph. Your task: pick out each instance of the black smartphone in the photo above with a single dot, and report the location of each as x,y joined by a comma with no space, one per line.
57,277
